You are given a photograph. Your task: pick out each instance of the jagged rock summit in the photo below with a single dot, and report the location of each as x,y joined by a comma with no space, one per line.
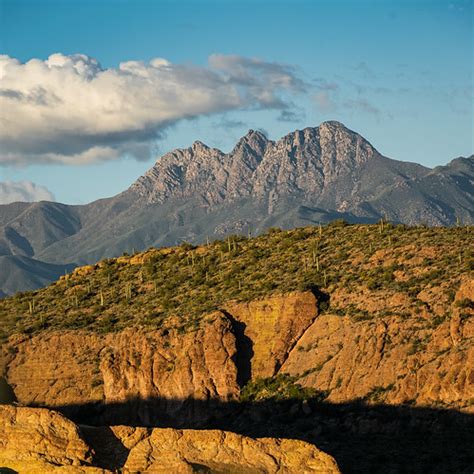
329,170
303,162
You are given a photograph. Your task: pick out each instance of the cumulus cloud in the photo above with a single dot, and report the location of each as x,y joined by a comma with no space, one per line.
69,109
25,191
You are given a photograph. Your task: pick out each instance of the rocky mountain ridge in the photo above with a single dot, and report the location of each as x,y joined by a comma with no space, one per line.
305,163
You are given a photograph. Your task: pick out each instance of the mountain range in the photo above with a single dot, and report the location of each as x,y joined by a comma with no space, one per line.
309,176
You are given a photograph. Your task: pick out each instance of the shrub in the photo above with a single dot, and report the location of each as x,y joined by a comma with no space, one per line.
279,387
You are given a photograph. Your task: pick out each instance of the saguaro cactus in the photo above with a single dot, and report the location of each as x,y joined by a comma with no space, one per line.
128,291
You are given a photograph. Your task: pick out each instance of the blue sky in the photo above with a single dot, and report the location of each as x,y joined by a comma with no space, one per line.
398,72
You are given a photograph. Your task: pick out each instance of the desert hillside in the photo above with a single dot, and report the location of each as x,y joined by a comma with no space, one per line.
356,338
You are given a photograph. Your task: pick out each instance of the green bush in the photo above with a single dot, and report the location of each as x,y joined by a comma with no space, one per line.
279,387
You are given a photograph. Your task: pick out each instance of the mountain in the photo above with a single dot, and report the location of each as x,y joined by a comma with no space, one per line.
309,176
20,273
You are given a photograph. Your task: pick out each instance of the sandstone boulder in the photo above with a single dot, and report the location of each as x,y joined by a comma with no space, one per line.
39,440
188,451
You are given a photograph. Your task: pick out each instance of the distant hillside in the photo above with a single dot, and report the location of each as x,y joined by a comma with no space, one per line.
309,176
22,273
189,282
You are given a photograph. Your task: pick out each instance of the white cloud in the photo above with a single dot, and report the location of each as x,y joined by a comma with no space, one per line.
68,109
25,191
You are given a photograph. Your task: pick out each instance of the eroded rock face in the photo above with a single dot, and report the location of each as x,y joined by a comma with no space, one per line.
36,437
37,440
183,451
419,355
420,360
67,368
73,368
273,326
382,362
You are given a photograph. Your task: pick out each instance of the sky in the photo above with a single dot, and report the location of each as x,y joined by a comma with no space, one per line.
93,92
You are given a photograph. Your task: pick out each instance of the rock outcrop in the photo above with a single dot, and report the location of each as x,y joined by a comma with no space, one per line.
168,450
36,440
39,440
417,359
271,327
382,360
71,368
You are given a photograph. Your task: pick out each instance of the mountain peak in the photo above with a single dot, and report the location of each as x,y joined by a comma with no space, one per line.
333,124
301,163
328,166
333,128
198,145
254,141
346,142
255,134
